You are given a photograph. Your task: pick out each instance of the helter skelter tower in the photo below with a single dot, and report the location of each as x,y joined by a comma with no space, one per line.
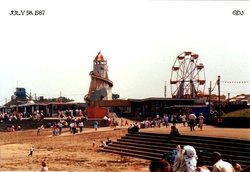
187,76
100,86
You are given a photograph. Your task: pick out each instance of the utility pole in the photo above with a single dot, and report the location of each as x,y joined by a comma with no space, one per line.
209,98
218,82
165,90
30,96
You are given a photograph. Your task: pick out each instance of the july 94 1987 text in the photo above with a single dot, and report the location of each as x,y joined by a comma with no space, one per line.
27,12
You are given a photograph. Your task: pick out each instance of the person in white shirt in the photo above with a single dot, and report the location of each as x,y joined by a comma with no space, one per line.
80,126
201,121
219,165
183,119
31,150
186,159
192,118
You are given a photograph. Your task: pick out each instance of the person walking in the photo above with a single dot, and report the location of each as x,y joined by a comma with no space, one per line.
192,117
126,123
60,126
95,125
201,121
165,118
122,123
184,119
39,130
31,150
80,126
174,118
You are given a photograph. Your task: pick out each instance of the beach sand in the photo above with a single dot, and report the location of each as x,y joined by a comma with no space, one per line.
69,152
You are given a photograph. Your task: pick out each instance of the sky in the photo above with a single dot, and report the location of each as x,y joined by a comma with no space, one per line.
53,53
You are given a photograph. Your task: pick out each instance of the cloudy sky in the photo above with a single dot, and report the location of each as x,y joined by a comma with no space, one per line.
54,52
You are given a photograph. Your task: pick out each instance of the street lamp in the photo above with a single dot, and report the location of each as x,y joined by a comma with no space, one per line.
218,82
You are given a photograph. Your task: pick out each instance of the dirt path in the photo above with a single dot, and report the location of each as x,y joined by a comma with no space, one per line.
209,131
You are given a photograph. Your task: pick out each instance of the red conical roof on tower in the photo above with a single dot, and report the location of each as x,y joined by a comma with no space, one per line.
99,57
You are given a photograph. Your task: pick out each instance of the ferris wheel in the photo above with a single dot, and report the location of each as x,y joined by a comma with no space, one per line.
187,76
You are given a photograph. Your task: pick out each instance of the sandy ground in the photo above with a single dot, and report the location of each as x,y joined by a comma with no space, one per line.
75,152
64,153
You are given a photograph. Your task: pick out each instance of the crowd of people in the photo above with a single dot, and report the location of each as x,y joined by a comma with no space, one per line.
18,116
7,116
73,121
76,124
187,119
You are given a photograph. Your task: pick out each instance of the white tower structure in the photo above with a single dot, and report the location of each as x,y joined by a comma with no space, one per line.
100,86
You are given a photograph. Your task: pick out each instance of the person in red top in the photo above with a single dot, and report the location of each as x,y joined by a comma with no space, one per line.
126,122
44,167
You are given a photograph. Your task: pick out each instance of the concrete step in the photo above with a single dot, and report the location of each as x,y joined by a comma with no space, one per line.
169,147
130,154
154,145
145,145
150,146
216,139
229,142
244,148
139,152
138,148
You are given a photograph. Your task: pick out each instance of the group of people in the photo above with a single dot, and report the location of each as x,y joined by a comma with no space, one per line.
12,128
193,121
133,128
44,167
75,126
187,119
7,116
187,160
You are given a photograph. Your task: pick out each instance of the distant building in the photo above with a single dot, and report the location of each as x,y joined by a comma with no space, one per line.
242,98
19,94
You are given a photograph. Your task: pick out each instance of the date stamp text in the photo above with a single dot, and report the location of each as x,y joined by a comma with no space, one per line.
27,12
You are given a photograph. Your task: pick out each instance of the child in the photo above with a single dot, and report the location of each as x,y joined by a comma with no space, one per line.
93,144
44,167
31,150
103,144
38,131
